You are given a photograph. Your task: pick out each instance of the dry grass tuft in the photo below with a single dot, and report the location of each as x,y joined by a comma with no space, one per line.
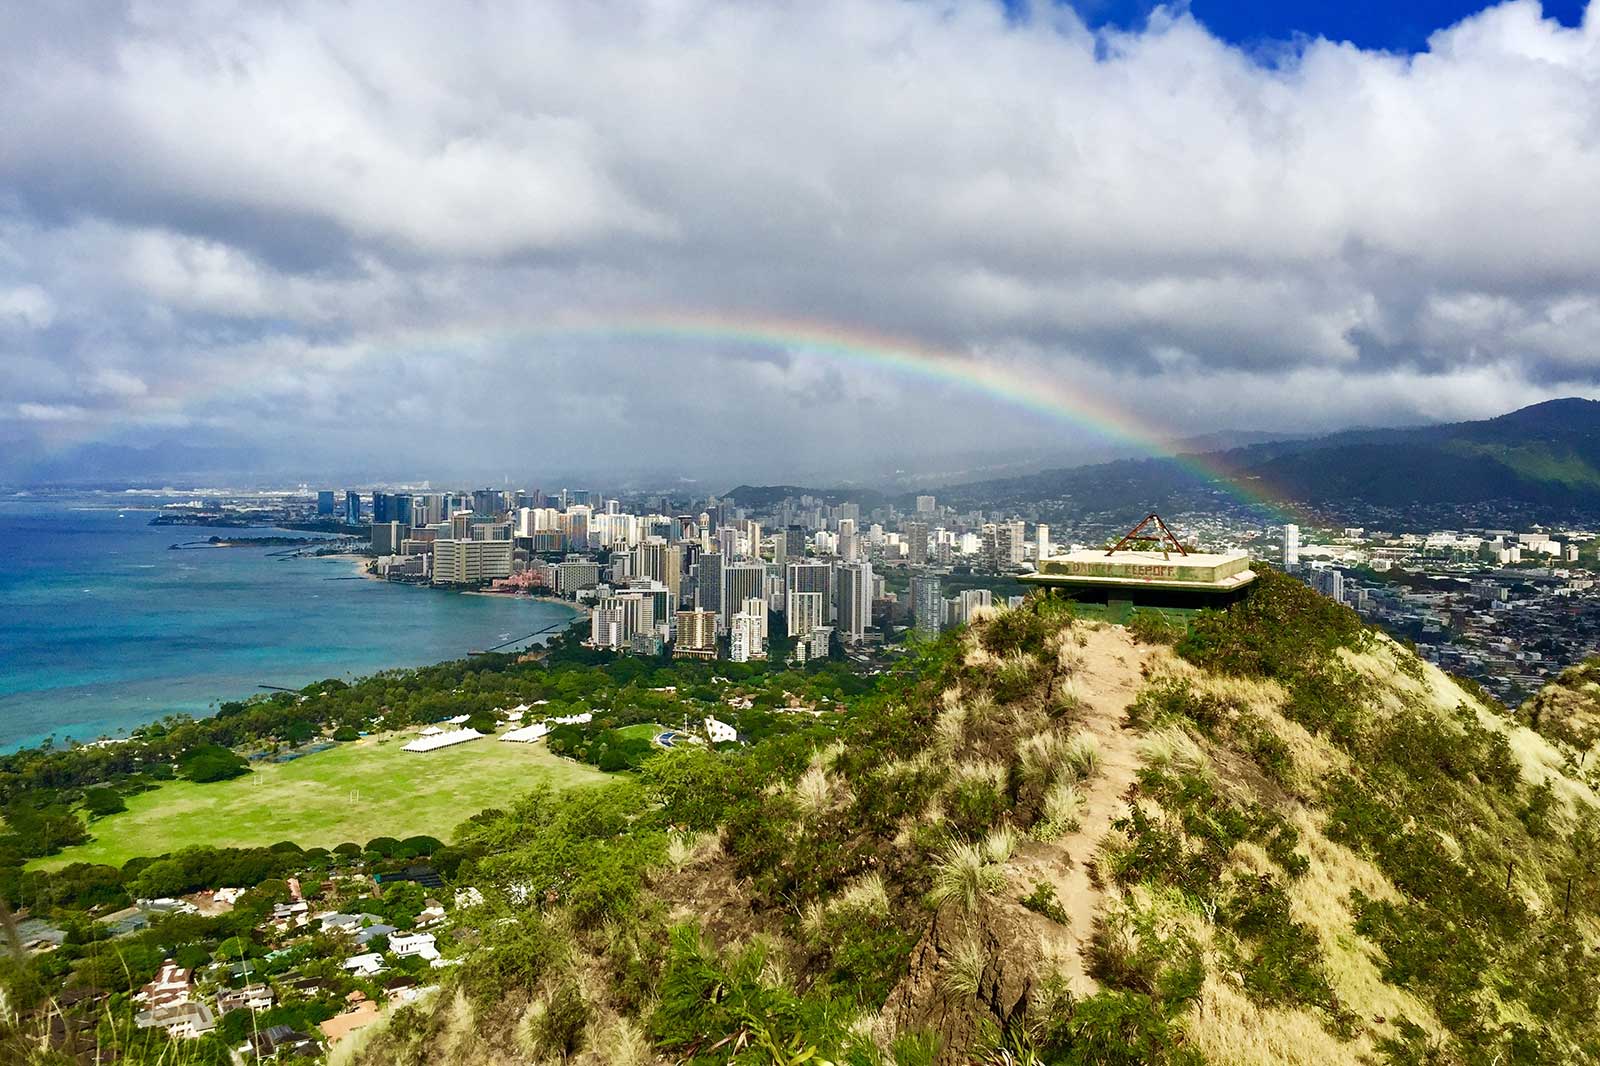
1063,809
1082,757
817,790
964,875
999,844
1172,746
865,893
620,1042
949,728
963,968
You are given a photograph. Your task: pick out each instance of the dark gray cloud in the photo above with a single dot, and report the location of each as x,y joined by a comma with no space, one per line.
338,236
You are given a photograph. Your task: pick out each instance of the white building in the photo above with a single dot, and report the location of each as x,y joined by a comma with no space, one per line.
421,945
720,732
470,562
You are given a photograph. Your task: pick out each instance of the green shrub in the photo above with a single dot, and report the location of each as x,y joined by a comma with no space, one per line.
1282,960
519,954
863,953
717,1010
1278,630
974,805
100,802
212,763
1153,627
1043,900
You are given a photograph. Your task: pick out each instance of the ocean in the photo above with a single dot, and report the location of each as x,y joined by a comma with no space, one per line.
103,627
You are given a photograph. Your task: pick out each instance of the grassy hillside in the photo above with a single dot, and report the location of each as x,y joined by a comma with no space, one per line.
352,792
1281,839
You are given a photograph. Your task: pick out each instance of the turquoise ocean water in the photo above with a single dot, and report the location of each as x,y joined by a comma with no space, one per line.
102,627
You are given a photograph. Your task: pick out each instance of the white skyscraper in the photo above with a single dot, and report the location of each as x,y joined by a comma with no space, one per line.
1291,546
855,601
1042,536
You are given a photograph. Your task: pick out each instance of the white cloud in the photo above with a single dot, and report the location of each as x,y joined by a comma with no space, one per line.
50,412
300,208
28,306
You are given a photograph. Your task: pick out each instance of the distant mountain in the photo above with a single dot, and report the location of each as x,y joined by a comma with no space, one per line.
757,497
1545,455
1543,459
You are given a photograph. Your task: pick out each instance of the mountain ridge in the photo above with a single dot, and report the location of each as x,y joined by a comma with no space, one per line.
1269,836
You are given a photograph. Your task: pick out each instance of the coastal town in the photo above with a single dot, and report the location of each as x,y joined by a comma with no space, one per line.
802,575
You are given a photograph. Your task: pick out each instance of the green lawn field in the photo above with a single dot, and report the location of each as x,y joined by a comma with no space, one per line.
353,792
642,731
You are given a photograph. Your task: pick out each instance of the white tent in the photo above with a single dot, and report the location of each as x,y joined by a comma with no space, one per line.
527,734
443,740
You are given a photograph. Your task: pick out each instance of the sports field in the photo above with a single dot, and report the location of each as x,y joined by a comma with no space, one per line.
353,792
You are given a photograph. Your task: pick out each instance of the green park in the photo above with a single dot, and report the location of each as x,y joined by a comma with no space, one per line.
352,792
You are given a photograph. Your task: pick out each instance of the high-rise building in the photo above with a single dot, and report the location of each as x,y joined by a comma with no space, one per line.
741,582
968,602
747,638
661,605
428,509
708,581
386,537
794,541
855,601
575,575
461,525
606,626
808,592
849,550
325,501
1291,546
915,535
470,562
650,559
927,606
488,502
926,505
402,509
695,635
382,511
1041,547
1329,582
1015,535
813,645
352,508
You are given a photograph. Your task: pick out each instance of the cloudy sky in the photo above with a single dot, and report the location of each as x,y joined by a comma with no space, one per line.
363,239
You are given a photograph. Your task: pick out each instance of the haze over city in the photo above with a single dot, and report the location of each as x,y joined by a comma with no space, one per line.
298,240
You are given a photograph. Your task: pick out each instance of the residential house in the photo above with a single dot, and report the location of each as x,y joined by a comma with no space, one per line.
367,965
251,997
421,945
182,1021
280,1041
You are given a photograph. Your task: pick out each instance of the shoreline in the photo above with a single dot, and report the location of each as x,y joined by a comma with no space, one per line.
362,564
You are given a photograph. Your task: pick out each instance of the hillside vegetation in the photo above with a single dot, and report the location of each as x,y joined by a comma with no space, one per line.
1545,458
1277,837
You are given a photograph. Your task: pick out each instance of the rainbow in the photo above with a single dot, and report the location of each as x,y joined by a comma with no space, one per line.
857,346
